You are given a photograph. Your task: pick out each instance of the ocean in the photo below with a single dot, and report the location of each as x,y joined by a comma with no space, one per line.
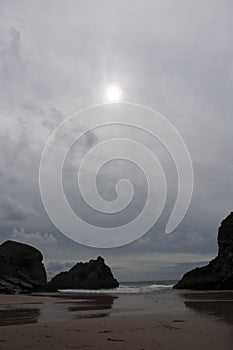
139,287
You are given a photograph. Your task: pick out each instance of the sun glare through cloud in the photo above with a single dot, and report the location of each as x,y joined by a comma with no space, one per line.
114,94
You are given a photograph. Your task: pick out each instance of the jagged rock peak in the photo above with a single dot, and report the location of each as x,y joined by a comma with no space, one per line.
94,274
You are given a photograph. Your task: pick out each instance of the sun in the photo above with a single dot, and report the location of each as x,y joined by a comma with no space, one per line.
114,94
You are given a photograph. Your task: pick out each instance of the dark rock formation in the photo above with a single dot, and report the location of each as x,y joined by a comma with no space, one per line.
218,274
21,268
94,274
22,271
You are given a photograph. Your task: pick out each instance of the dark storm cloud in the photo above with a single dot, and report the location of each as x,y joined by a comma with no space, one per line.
176,57
11,210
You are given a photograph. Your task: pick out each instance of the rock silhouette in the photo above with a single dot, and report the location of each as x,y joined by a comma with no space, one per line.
218,274
94,274
21,268
22,271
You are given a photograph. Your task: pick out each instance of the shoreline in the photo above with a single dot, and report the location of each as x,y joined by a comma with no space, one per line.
80,321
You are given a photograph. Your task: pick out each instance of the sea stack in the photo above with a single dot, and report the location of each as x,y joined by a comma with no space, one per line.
21,268
218,274
94,274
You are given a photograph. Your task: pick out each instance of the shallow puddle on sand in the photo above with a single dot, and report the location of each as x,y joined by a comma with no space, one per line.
14,316
54,311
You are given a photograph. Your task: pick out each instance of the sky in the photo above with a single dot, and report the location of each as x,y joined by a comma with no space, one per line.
58,57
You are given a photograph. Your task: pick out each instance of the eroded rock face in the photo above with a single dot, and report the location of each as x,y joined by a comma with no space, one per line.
94,274
21,268
218,274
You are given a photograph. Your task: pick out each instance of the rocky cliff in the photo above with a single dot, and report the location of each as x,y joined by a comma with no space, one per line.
21,268
218,274
94,274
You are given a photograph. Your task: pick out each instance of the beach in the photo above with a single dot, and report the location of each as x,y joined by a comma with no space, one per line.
165,319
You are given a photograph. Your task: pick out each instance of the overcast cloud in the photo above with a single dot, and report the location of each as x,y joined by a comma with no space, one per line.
57,57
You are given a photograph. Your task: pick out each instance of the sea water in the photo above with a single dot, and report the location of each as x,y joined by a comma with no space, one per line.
139,287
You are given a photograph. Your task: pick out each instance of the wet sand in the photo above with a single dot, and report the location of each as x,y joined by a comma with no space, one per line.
166,320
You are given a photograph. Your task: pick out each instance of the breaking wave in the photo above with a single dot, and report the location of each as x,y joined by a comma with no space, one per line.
128,288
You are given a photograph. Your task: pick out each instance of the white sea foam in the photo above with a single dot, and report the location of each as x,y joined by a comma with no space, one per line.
137,288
